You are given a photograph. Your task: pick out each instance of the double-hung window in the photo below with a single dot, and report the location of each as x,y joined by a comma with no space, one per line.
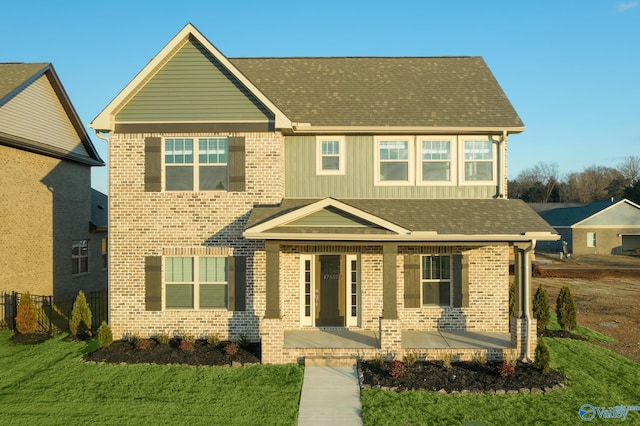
393,160
196,164
79,257
591,239
436,280
196,282
330,155
436,161
478,159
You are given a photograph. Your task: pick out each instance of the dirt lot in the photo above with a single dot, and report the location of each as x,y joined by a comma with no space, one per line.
607,294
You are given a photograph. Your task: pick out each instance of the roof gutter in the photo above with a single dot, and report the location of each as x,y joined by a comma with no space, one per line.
307,128
412,237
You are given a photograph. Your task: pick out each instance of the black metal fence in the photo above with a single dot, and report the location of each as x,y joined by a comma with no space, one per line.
49,320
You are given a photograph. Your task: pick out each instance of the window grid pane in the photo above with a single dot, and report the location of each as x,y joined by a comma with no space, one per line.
436,280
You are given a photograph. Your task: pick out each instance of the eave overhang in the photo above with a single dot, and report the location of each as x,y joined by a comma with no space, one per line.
307,128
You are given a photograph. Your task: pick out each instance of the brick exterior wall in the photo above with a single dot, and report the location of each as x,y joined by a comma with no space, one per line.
156,223
45,204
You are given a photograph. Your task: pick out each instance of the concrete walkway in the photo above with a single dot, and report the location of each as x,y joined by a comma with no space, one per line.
330,396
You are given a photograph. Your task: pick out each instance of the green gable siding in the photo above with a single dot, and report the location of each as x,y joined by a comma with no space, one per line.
358,180
193,86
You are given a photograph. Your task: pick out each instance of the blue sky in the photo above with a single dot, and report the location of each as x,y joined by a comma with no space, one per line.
571,68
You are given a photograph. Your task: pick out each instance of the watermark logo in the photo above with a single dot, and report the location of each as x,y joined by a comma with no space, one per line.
588,412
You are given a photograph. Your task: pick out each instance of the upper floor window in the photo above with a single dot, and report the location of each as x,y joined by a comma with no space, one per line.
330,155
196,167
79,257
436,280
437,160
393,164
478,158
196,282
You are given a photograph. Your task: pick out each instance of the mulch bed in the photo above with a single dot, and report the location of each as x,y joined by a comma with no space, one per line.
152,352
461,377
29,338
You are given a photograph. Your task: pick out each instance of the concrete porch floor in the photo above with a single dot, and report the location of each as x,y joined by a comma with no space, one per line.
366,339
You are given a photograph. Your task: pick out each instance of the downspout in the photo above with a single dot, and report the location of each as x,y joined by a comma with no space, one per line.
502,165
526,298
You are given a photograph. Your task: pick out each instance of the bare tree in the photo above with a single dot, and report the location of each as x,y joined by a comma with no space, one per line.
630,169
538,183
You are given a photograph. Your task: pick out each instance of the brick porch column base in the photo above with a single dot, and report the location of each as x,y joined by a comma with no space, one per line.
518,330
272,338
391,336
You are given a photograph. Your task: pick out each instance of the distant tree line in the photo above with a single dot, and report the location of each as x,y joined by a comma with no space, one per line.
542,183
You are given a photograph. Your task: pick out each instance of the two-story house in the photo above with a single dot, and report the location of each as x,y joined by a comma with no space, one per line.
48,244
325,206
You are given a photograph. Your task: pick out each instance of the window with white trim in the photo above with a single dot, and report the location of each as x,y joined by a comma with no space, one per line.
79,257
478,158
436,160
330,155
435,273
196,167
196,282
393,160
591,239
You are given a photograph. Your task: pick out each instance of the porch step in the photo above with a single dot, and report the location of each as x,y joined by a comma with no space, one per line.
329,361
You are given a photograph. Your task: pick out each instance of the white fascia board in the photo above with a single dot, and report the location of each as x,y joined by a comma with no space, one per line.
319,205
104,122
400,238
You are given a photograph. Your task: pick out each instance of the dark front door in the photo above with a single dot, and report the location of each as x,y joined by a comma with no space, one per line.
330,299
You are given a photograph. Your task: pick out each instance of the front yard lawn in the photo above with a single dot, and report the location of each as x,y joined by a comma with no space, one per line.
597,376
48,383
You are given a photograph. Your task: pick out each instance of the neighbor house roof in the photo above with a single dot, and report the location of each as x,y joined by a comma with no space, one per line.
424,219
354,94
566,215
99,210
37,115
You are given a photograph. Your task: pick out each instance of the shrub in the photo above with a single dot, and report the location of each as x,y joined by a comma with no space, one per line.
187,345
105,336
479,358
543,358
26,315
397,369
410,359
232,348
243,341
80,322
143,344
541,308
378,360
512,299
213,339
566,309
506,370
163,338
446,361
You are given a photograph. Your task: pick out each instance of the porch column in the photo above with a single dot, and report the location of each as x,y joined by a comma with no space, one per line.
522,325
389,298
272,250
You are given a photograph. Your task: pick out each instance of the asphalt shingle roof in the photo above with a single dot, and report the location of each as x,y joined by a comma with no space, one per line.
388,91
558,214
13,75
444,216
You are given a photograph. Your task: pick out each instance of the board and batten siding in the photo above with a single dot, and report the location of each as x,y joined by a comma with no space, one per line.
36,114
358,180
193,86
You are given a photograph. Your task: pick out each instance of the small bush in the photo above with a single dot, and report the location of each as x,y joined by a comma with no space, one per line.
80,322
446,361
566,309
510,357
410,359
213,339
512,299
479,358
397,369
506,370
243,341
189,337
143,344
163,338
105,336
541,308
378,360
232,348
543,358
26,315
187,345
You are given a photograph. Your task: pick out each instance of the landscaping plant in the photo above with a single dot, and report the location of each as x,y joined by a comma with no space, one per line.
541,308
512,299
80,323
26,315
566,309
543,358
105,336
397,369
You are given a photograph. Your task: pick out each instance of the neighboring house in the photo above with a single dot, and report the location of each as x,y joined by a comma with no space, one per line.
47,246
601,227
325,206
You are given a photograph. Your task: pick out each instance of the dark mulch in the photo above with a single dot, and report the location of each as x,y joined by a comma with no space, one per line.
461,376
152,352
29,338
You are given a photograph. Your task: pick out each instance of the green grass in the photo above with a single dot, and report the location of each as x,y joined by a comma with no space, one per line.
49,384
590,334
597,376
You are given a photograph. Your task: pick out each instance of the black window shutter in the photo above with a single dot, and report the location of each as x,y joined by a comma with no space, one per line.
153,283
237,283
412,281
152,164
236,163
460,278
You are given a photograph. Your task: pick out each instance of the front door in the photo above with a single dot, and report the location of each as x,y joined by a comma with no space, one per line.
330,291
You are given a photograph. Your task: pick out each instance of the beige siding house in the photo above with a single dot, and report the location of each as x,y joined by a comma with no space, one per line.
47,245
327,207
